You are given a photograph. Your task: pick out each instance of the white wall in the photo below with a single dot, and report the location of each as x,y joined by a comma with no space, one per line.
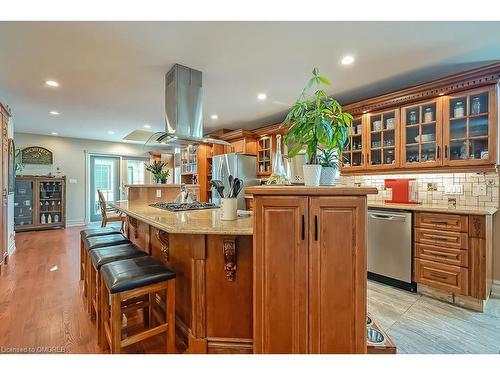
70,156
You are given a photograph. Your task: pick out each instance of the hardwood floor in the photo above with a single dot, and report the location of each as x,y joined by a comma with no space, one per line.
41,306
41,300
419,324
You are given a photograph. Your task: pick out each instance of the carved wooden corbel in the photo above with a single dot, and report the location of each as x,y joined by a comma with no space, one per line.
133,222
229,249
163,238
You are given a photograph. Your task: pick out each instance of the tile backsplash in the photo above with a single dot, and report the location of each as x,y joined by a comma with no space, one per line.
477,189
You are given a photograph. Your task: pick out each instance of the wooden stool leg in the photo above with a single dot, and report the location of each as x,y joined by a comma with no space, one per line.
88,279
98,318
116,323
93,289
104,319
146,312
170,316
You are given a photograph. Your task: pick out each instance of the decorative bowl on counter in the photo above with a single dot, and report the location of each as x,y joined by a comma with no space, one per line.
373,335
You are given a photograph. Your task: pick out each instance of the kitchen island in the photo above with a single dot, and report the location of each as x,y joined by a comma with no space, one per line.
243,286
149,193
213,262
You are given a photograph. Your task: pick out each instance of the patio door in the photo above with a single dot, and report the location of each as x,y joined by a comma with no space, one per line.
105,176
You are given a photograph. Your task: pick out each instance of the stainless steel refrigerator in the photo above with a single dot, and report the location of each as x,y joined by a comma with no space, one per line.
237,165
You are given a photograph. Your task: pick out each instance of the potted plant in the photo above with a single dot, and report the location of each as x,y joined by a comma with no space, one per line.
329,166
162,176
313,121
156,167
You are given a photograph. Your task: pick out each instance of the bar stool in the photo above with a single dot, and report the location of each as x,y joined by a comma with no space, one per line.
127,280
100,257
92,232
95,242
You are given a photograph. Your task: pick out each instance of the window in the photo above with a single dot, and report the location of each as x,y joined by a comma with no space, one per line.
135,171
102,174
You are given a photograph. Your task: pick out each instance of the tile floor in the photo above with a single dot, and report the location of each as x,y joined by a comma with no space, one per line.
419,324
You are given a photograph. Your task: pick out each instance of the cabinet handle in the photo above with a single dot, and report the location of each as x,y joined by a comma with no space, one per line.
438,222
438,152
446,152
439,238
438,254
438,276
303,230
315,227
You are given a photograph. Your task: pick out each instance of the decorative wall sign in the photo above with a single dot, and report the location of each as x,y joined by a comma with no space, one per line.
36,155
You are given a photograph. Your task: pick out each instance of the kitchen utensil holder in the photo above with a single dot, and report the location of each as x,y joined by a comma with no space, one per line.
229,208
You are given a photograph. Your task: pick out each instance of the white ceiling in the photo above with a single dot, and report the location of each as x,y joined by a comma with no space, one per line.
111,74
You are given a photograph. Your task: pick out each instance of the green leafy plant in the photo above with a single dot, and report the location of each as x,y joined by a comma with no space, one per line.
156,167
315,121
328,158
162,175
17,158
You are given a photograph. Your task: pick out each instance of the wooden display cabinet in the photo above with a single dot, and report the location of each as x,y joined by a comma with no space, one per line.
353,156
383,139
470,127
421,130
264,158
39,203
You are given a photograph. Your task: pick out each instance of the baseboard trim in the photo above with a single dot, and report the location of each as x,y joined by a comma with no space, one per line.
495,289
12,248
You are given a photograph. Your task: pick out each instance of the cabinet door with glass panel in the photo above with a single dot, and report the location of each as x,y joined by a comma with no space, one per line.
470,127
421,134
353,155
383,139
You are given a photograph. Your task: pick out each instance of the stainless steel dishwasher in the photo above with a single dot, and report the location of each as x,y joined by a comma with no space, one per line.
389,247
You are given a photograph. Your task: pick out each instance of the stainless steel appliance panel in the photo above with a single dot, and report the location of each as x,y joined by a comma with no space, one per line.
389,244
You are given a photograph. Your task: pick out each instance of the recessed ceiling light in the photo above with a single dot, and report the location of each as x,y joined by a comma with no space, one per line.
214,117
147,126
54,113
261,96
346,60
52,83
111,132
53,133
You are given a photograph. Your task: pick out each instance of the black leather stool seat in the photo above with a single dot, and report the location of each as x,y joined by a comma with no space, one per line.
105,241
134,273
104,255
92,232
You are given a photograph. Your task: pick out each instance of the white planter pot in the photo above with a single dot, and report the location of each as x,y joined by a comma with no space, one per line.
328,176
312,174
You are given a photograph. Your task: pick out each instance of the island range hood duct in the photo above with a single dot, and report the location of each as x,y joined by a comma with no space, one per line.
184,108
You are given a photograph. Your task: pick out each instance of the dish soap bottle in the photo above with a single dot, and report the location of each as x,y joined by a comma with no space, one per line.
49,219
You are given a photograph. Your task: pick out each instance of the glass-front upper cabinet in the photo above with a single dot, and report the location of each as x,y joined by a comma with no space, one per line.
469,127
421,134
353,155
383,139
23,203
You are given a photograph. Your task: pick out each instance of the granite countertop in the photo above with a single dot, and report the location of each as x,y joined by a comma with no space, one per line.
435,208
189,222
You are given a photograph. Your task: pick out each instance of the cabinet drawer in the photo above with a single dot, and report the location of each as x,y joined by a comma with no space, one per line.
430,220
444,255
455,240
442,276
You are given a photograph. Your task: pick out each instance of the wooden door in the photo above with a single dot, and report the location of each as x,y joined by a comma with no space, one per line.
280,275
421,129
383,141
470,127
354,156
337,272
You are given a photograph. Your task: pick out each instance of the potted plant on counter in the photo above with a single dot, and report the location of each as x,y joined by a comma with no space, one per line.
315,121
162,176
156,168
329,166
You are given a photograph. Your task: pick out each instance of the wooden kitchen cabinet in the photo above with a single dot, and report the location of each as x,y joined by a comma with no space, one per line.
310,284
453,254
421,128
354,154
242,142
383,139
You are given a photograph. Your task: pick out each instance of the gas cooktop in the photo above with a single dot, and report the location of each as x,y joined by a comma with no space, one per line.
183,206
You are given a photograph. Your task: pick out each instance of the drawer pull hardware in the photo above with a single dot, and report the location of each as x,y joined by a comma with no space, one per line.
439,276
438,254
315,227
438,222
439,238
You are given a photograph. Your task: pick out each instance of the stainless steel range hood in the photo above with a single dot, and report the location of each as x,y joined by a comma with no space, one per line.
184,108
